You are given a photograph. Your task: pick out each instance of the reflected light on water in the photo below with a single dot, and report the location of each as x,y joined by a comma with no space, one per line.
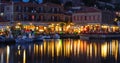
24,56
41,49
8,53
75,48
58,48
61,51
95,49
78,48
1,58
115,48
90,50
104,50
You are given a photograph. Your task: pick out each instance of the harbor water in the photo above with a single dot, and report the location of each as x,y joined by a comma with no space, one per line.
62,51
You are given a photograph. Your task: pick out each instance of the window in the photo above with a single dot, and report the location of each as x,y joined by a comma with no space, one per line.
41,9
85,18
19,8
93,17
74,18
58,9
98,17
77,18
8,8
89,18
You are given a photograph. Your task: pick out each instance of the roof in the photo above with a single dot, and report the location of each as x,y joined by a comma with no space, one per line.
52,4
86,10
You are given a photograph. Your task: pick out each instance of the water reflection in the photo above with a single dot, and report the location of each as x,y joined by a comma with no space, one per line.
62,51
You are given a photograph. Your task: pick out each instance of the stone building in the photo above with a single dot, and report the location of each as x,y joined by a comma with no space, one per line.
85,15
31,12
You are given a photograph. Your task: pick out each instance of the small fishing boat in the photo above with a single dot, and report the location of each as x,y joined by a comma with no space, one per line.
23,39
39,38
4,40
56,36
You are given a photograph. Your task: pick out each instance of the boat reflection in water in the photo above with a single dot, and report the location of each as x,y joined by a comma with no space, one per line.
62,51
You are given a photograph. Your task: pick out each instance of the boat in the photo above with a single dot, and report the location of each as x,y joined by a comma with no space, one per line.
23,39
39,38
47,37
56,36
84,37
4,40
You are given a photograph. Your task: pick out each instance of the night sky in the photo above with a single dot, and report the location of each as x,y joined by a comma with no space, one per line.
39,1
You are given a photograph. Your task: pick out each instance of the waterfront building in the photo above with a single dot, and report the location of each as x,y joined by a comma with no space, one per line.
85,15
31,12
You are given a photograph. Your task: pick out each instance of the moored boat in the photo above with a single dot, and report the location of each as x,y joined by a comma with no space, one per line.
23,39
4,40
56,36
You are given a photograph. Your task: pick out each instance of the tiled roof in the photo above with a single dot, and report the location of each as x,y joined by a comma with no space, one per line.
87,9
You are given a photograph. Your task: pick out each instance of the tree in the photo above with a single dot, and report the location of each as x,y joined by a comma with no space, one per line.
89,2
68,4
105,0
52,1
56,1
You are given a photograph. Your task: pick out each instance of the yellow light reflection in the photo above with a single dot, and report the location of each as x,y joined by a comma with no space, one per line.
8,53
52,49
78,48
115,48
90,50
58,48
95,49
75,48
104,50
44,46
41,49
24,56
36,49
18,52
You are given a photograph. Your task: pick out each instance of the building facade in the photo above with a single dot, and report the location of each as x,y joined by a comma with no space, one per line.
87,15
30,12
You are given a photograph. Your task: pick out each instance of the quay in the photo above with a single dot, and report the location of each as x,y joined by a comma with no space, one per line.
100,36
64,36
